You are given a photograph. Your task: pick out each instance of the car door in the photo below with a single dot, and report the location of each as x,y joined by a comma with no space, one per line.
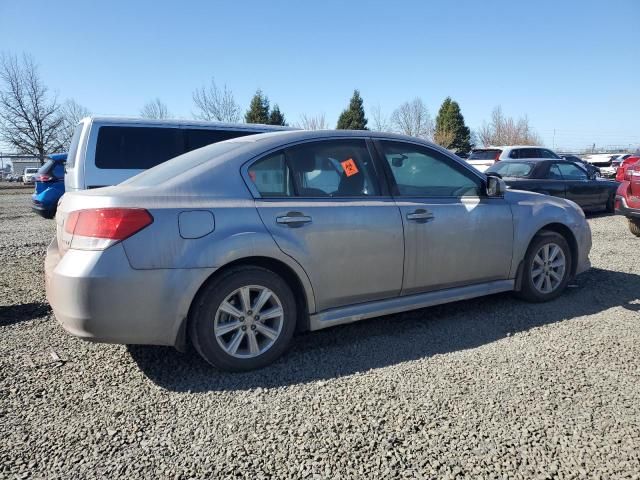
585,192
325,206
454,234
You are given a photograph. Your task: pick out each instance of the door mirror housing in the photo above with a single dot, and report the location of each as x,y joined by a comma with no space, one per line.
495,186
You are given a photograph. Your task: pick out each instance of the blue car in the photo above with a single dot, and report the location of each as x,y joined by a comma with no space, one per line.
49,186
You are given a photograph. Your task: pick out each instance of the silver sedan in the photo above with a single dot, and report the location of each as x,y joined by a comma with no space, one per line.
235,246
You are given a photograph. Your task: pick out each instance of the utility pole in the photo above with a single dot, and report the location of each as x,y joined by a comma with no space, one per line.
554,139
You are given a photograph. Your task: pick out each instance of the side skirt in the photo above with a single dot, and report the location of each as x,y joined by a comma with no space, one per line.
354,313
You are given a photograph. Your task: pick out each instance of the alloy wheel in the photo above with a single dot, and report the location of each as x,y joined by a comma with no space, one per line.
548,268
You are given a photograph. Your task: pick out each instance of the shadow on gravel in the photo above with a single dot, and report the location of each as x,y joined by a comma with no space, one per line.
23,312
394,339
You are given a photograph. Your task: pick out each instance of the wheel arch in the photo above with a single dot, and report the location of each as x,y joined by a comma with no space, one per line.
560,229
304,299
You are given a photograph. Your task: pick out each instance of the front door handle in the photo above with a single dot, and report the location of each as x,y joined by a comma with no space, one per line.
293,219
420,215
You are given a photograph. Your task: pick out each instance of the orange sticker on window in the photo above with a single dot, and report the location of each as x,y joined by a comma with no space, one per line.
349,167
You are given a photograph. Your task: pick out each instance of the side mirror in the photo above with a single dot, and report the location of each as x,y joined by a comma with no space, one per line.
495,186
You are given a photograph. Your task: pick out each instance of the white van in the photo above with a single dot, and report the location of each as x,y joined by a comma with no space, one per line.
105,151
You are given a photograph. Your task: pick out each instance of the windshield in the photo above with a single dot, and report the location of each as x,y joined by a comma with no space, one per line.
180,164
512,169
30,170
485,154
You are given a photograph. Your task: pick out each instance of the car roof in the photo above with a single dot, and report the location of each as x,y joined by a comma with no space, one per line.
182,122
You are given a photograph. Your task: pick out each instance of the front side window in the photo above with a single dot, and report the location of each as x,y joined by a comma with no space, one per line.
512,169
422,172
544,153
572,172
554,173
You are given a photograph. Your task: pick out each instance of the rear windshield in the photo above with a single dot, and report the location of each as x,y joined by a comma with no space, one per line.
512,169
141,148
181,164
484,154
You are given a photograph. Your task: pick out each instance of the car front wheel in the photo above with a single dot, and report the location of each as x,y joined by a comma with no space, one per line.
546,268
243,319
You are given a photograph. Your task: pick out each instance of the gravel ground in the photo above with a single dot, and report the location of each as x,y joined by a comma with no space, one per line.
489,388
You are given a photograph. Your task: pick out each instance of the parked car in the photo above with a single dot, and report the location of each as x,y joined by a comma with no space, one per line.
559,178
592,170
49,186
622,167
108,150
628,197
604,162
236,245
483,158
28,177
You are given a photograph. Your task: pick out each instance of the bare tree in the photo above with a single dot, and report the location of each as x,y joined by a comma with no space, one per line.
502,130
315,122
212,103
29,116
71,113
379,121
412,118
155,109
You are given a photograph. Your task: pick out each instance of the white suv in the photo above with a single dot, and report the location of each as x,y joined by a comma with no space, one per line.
483,158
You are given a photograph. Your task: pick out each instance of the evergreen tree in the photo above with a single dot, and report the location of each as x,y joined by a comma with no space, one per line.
258,109
276,117
451,128
353,117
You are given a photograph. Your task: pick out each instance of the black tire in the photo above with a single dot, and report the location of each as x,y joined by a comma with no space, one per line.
203,313
528,290
611,203
634,227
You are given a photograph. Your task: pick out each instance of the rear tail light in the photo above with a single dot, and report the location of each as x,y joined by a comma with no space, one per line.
99,228
497,157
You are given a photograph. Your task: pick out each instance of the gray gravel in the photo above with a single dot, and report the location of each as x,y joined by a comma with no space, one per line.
489,388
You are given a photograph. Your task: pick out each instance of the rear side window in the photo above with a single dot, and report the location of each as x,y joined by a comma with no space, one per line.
485,155
329,168
271,176
136,147
198,138
544,153
512,169
73,148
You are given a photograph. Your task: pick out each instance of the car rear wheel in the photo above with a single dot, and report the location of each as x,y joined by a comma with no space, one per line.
634,227
546,268
243,319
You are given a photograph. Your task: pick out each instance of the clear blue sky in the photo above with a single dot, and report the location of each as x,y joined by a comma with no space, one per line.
572,66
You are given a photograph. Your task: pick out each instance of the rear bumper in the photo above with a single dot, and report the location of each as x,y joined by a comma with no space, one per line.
44,211
622,208
96,295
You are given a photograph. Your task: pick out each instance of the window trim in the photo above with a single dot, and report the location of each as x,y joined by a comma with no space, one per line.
393,187
382,187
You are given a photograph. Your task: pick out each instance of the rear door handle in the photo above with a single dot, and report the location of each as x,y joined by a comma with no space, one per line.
293,219
420,215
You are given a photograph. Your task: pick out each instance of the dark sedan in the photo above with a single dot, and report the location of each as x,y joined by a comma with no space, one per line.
559,178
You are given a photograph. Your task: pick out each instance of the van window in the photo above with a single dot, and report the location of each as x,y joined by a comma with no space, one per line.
73,148
198,138
130,148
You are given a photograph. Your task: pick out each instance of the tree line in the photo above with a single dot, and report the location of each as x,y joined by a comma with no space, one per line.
33,121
